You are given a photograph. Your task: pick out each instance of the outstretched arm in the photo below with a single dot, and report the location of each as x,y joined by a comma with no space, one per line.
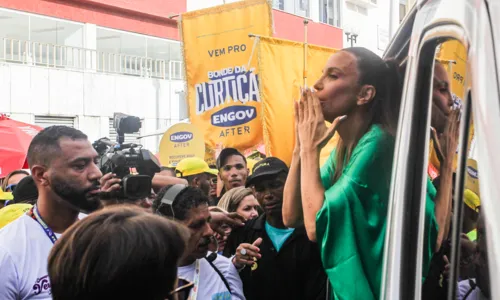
292,202
312,190
313,136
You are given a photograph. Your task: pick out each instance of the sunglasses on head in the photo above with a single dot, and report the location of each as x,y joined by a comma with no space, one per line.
10,187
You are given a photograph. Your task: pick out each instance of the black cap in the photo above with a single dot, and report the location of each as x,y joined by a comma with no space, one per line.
267,166
225,153
25,191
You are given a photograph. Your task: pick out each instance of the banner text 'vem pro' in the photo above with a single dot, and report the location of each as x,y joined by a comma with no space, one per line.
237,84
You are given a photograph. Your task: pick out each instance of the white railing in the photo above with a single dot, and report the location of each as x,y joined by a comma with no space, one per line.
59,56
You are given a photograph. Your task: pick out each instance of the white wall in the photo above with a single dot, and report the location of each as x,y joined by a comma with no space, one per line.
90,97
367,27
200,4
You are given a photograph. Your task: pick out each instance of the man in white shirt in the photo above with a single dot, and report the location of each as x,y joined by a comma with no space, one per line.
213,276
63,166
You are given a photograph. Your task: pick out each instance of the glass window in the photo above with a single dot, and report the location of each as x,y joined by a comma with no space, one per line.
140,55
14,25
26,27
158,48
296,7
455,192
40,40
279,4
56,32
329,12
175,51
302,8
114,41
359,9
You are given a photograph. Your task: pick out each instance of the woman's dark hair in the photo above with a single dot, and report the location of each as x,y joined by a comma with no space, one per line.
117,253
189,198
383,109
5,181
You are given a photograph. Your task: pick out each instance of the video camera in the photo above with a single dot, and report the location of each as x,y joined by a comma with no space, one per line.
120,159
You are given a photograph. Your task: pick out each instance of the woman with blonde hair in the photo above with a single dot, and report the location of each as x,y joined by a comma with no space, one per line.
242,201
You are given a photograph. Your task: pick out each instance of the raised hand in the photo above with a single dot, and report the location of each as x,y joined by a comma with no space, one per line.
312,130
449,138
246,254
109,183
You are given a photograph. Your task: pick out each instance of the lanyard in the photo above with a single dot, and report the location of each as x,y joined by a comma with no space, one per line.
196,281
35,215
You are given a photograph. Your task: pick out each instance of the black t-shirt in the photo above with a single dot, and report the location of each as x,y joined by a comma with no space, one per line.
295,272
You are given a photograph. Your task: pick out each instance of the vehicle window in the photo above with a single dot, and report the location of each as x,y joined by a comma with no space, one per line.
452,187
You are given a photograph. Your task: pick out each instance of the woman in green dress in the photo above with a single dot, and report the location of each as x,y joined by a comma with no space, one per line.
343,205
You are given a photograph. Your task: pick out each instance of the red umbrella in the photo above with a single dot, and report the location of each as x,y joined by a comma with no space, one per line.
15,138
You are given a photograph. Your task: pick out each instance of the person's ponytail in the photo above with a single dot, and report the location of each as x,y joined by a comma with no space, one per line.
390,105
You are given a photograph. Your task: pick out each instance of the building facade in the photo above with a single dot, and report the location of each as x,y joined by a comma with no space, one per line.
76,62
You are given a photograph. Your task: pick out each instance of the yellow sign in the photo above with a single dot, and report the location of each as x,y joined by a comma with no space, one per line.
221,71
471,177
181,141
281,65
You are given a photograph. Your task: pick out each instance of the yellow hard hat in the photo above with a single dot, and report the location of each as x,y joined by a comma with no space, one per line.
471,199
193,166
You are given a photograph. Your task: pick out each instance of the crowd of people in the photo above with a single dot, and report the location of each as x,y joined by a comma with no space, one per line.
302,231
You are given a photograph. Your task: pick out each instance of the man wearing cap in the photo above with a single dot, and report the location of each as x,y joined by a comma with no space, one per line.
233,170
275,262
197,173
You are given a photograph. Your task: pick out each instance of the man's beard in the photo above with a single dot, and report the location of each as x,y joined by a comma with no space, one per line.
78,198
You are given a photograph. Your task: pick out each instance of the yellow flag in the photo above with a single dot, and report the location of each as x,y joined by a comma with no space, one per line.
222,73
281,63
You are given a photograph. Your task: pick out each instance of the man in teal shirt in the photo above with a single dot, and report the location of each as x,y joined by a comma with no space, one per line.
275,262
